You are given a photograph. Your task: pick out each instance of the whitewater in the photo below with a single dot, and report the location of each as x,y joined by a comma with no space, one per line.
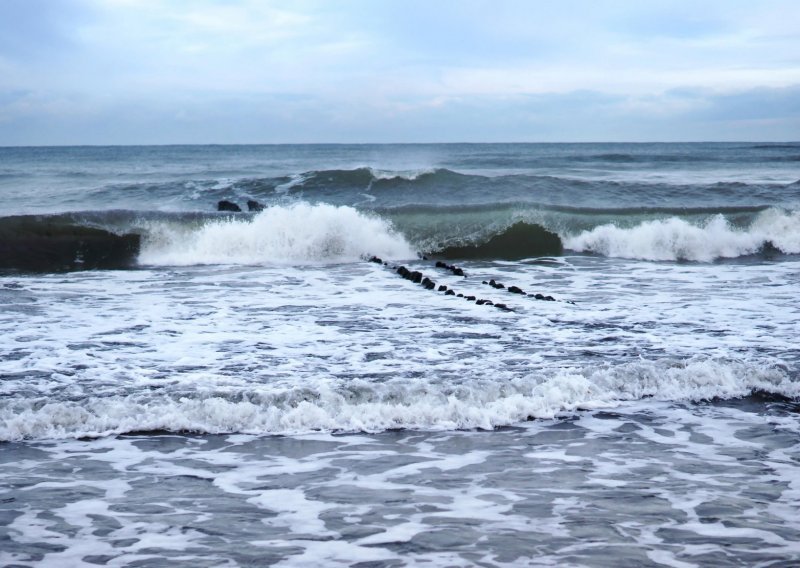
449,355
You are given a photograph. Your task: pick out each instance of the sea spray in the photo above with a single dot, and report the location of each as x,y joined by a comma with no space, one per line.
296,233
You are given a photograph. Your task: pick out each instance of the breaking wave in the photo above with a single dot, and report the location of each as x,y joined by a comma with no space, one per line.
679,239
304,232
361,406
296,233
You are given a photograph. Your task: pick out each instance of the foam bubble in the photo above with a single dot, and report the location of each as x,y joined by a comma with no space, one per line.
678,239
297,233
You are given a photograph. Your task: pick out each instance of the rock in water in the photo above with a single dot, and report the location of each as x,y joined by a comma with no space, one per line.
253,205
226,205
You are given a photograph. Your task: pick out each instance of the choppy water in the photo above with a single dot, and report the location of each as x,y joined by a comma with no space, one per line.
250,390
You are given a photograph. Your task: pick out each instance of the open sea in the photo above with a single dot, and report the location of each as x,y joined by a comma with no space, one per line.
400,355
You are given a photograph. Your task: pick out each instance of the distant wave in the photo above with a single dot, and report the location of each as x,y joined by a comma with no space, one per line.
777,146
385,188
366,179
362,406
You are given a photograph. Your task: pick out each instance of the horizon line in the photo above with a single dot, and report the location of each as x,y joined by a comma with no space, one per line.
174,144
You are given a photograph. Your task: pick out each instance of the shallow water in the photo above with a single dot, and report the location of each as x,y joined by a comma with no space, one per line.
646,485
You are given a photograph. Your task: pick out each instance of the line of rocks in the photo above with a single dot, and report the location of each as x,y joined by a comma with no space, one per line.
517,290
226,205
419,278
451,267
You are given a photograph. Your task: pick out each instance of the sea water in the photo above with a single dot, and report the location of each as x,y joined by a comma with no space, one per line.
604,373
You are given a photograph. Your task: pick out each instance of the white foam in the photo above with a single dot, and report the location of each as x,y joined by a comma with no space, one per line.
409,175
678,239
297,233
294,181
426,404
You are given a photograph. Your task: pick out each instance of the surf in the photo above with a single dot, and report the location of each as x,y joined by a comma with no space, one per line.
364,406
299,233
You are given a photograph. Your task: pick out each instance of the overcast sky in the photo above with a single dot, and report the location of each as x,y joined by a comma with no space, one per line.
250,71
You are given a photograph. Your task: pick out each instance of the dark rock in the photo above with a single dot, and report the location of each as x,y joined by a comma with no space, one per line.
428,284
470,298
253,205
442,288
403,271
226,205
451,267
481,302
450,293
539,297
515,290
376,260
550,298
502,307
416,277
459,295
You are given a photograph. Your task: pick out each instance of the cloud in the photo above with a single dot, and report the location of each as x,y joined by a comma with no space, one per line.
358,70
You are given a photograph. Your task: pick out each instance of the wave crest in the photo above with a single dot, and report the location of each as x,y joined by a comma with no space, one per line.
678,239
362,406
297,233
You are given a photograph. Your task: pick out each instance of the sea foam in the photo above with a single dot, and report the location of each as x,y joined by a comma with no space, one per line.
297,233
678,239
362,406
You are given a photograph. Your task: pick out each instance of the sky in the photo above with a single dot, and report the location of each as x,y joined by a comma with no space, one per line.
373,71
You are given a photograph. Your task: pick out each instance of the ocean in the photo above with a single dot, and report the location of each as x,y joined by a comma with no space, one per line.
400,355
